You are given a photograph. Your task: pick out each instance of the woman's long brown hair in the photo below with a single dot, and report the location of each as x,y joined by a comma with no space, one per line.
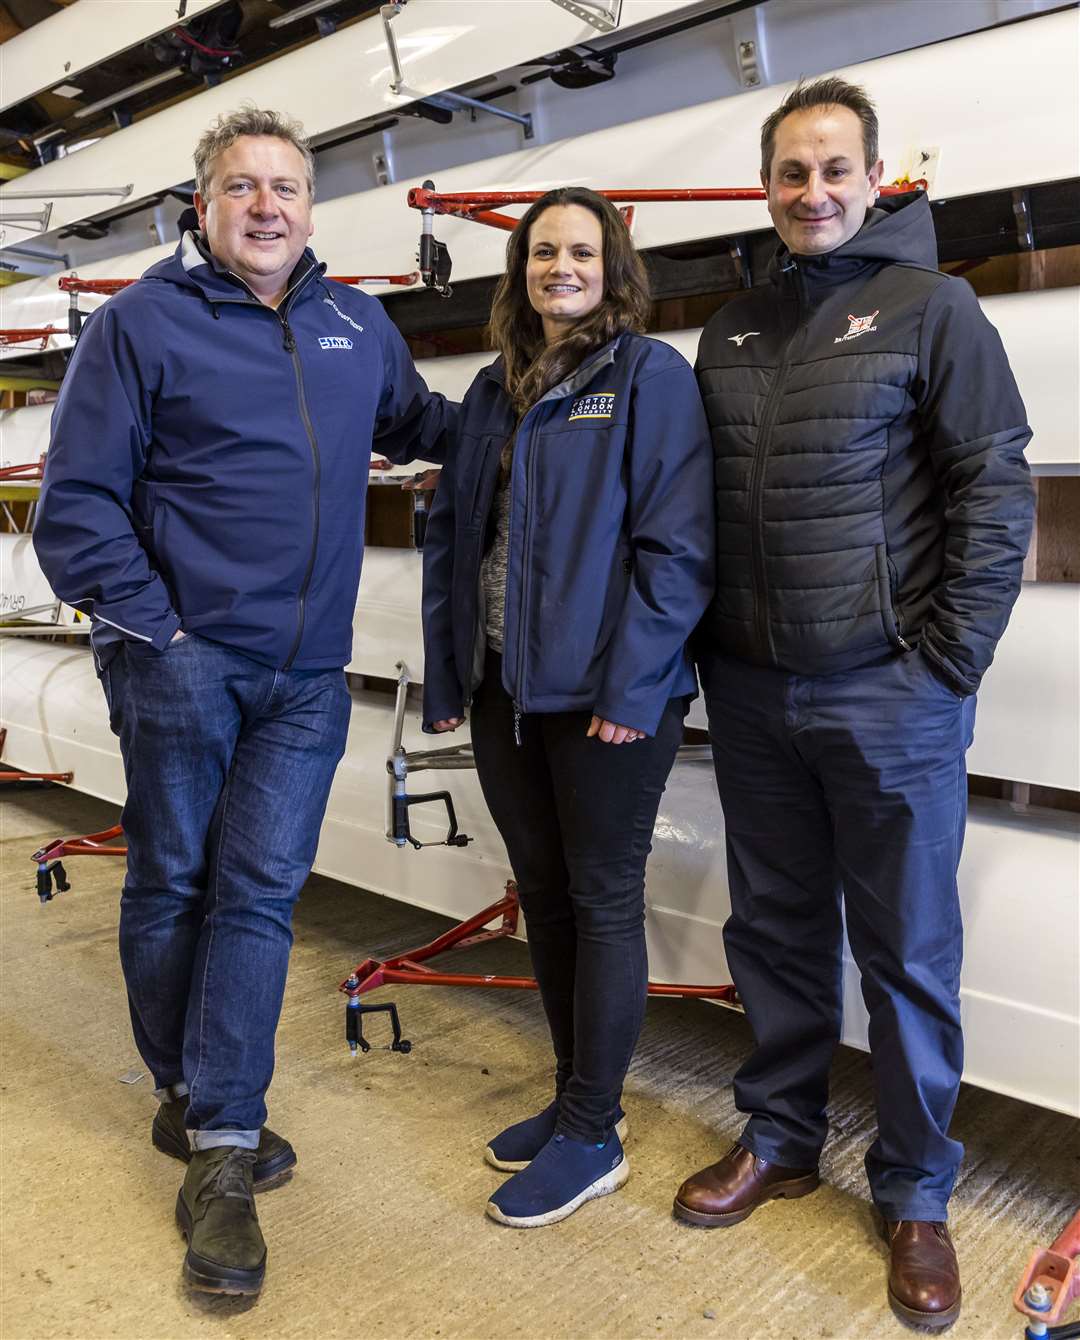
531,367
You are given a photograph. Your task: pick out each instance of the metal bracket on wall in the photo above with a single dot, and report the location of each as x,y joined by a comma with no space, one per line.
122,191
457,102
751,53
22,219
388,13
603,17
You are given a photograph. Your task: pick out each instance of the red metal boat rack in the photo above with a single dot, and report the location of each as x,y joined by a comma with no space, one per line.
19,775
73,286
1049,1284
32,472
38,335
49,859
485,206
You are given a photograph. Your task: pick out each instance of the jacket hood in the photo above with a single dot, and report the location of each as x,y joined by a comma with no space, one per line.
898,230
192,266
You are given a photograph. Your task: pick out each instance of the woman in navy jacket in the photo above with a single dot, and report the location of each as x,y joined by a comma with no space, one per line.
568,557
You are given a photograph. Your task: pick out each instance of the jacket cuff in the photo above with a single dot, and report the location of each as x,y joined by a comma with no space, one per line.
440,711
166,631
635,717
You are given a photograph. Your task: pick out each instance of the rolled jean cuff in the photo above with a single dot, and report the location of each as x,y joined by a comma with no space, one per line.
215,1139
169,1093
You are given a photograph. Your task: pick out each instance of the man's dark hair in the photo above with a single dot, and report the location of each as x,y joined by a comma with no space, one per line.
828,92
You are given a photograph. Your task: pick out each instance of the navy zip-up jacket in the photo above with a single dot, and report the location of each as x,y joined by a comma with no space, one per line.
209,460
611,540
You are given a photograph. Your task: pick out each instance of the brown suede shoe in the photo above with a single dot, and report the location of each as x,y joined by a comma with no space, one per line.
731,1190
924,1278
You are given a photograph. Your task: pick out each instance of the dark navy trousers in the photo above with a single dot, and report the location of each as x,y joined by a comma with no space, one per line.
848,787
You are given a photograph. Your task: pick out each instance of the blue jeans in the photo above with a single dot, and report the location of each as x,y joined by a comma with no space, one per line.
228,768
855,784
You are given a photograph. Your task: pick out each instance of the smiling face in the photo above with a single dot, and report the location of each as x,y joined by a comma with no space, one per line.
564,274
819,186
257,216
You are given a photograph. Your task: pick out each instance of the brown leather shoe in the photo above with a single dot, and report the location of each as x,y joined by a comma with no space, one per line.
731,1190
924,1278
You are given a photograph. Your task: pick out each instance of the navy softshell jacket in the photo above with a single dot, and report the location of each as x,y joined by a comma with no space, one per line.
611,540
209,460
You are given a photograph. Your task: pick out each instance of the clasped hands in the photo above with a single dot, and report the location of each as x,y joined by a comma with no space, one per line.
609,732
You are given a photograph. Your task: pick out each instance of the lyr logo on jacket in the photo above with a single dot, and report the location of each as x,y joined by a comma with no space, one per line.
599,405
860,325
335,342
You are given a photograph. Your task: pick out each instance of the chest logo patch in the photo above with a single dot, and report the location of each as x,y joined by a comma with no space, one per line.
599,405
335,342
737,340
860,325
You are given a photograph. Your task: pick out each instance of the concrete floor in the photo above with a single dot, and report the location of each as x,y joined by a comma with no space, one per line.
381,1232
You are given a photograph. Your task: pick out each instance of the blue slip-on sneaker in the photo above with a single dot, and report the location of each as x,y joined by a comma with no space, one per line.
563,1175
517,1146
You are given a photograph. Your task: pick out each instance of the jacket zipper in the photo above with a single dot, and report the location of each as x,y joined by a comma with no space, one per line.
291,350
282,314
894,601
523,622
290,345
757,480
581,377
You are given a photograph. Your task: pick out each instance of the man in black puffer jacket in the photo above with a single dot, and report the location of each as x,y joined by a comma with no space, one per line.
873,512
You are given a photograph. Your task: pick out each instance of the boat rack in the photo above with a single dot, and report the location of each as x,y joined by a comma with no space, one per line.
73,286
486,206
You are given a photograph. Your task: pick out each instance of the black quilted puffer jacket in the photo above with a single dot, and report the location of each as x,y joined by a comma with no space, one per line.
871,488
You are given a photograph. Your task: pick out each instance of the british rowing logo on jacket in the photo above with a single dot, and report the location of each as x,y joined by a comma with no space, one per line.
599,405
860,325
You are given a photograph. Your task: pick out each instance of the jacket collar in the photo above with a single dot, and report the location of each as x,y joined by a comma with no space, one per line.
899,229
581,376
193,265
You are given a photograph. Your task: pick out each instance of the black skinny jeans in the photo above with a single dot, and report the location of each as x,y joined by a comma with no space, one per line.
577,817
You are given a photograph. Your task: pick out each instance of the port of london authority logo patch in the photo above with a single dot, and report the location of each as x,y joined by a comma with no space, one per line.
599,405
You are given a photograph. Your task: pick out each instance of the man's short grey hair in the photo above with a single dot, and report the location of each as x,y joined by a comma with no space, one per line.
249,120
832,91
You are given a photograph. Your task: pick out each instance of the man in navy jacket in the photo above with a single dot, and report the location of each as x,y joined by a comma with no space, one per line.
873,512
204,502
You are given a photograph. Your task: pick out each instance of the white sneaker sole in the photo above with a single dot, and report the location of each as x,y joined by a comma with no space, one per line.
604,1186
504,1165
